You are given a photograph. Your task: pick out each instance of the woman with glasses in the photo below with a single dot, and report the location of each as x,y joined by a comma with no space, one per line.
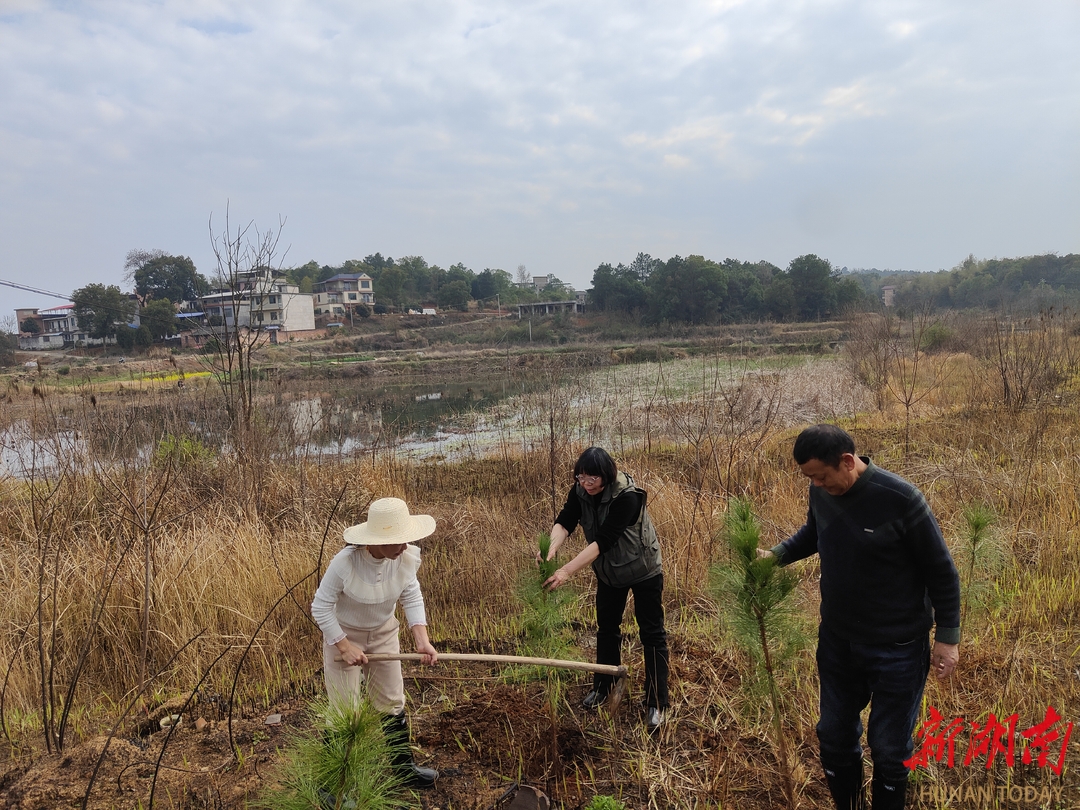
623,550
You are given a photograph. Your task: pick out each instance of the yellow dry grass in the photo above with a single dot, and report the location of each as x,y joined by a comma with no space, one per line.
109,572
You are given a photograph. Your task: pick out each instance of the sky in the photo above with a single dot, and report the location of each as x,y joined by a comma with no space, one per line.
896,134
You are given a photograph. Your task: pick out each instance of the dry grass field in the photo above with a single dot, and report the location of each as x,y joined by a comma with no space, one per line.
141,583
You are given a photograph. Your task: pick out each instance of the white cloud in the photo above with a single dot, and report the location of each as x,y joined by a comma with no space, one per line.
902,29
556,134
677,162
855,99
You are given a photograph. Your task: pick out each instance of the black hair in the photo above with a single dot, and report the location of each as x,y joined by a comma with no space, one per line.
596,461
826,443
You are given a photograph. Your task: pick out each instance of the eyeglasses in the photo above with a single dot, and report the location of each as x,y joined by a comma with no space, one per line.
592,480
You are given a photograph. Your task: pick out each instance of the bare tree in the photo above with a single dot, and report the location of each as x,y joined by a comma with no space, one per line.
1033,356
246,258
136,258
869,347
912,373
522,274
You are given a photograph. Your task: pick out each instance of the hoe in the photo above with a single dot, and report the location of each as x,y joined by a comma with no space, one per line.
615,696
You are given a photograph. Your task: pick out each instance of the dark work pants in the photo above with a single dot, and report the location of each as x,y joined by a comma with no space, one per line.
649,611
891,678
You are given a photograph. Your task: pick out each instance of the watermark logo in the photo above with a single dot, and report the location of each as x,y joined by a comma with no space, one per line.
986,794
1045,743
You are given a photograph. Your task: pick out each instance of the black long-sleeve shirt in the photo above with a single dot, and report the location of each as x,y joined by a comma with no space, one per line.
622,513
886,573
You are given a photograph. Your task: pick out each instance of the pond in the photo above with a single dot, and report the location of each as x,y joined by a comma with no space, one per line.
342,417
450,417
410,417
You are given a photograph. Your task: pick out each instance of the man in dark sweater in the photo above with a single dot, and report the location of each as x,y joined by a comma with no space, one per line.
886,578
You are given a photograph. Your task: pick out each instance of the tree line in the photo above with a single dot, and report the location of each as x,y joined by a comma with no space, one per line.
1029,283
691,289
702,291
699,290
410,281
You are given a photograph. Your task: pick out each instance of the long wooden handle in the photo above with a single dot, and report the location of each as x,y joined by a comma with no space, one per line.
583,666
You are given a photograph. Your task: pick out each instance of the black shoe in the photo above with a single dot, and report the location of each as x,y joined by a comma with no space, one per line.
654,718
595,699
887,795
416,777
846,785
396,727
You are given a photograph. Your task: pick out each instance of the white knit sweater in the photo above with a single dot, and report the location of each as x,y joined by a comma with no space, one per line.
361,592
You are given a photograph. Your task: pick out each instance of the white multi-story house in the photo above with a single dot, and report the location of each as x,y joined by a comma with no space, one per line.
342,293
259,300
538,283
57,328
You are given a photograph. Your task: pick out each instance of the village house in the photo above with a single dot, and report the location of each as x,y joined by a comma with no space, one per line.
342,293
260,300
550,308
58,328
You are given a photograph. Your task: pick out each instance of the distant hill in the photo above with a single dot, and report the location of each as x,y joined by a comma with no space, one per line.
1029,282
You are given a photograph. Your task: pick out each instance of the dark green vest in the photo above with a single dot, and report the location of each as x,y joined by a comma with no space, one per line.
635,557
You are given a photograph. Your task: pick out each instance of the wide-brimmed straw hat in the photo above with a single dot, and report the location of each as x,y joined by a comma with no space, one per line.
389,524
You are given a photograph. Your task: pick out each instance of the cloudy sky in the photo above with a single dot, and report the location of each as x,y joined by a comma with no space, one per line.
900,134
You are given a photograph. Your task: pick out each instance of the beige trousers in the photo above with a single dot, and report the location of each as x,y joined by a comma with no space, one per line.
385,686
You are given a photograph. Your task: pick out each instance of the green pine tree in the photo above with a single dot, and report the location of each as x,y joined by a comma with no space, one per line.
754,594
343,763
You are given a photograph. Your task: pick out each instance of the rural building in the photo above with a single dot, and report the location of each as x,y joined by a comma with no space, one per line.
550,308
342,293
58,328
538,283
260,300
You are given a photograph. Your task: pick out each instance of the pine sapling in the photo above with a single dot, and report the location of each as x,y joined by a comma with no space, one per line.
546,630
981,555
343,763
547,567
754,593
544,622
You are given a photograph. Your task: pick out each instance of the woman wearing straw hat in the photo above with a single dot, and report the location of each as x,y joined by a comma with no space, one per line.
354,608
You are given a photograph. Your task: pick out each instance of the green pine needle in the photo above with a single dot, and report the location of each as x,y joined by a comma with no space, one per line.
544,621
980,557
754,594
343,763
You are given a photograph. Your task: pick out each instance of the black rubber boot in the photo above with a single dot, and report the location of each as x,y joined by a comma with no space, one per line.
888,795
396,727
846,786
597,697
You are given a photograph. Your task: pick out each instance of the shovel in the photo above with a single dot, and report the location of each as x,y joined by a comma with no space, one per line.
615,695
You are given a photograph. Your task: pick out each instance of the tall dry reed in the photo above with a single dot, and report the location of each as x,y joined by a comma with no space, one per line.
131,573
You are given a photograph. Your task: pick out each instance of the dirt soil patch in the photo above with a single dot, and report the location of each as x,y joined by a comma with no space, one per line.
486,736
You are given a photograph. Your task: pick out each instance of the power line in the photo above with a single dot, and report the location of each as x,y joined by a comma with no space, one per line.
113,310
33,290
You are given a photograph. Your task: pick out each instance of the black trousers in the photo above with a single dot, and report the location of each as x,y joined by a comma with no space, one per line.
649,612
889,677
